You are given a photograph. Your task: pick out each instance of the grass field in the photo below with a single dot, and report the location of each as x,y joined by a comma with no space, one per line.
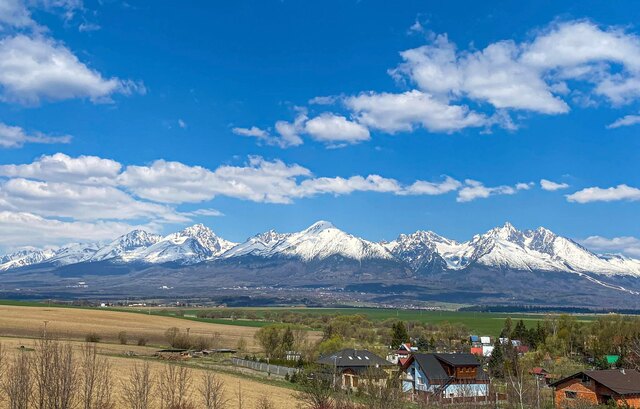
480,323
21,324
252,389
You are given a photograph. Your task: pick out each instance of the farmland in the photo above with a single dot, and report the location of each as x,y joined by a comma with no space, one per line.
485,323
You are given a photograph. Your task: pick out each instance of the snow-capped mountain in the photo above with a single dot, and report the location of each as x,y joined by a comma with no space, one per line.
24,258
502,248
127,247
419,250
319,241
192,245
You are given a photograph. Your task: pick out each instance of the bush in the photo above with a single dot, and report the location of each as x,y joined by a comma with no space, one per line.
142,341
122,337
92,337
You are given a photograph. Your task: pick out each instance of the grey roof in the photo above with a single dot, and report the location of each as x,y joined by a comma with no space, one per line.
459,359
353,358
625,382
431,365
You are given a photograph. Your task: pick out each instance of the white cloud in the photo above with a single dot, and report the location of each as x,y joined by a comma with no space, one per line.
343,186
552,186
626,120
14,13
182,124
205,212
16,137
88,27
80,202
254,131
611,194
37,68
477,190
629,246
27,229
530,75
334,129
422,187
174,182
393,113
323,100
63,168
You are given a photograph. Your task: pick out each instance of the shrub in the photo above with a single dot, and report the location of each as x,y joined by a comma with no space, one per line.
92,337
122,337
142,341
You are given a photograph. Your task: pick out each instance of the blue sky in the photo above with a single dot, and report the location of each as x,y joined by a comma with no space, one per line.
382,118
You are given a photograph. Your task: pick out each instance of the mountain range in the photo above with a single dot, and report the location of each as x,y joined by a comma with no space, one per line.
501,265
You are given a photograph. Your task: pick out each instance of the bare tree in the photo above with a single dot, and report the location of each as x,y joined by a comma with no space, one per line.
56,375
136,390
174,387
316,394
519,386
265,403
96,379
212,392
17,385
380,390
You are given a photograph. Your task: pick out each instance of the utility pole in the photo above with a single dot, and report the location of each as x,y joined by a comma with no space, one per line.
44,334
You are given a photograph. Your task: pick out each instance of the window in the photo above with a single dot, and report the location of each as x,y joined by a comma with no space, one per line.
570,394
586,381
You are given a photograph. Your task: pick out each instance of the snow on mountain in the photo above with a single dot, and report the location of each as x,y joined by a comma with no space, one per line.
24,258
192,245
259,245
74,253
127,247
503,247
319,241
419,249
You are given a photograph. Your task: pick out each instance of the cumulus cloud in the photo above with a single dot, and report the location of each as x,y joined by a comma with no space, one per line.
393,113
552,186
38,68
63,168
626,120
477,190
422,187
452,89
627,245
16,137
335,129
27,229
611,194
80,202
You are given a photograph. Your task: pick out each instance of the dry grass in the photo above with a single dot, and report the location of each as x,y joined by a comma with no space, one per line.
74,323
252,390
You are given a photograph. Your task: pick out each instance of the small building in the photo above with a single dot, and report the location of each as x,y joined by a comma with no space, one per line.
599,387
542,376
445,376
399,356
350,367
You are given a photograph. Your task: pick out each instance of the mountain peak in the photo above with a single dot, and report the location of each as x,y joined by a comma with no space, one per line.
196,230
320,225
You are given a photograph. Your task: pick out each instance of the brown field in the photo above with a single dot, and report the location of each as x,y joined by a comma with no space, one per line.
75,323
252,390
20,325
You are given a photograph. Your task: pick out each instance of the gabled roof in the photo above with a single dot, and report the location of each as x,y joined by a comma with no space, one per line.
458,359
353,358
432,365
622,382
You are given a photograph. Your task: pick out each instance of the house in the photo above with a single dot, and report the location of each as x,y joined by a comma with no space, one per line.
542,375
350,367
599,387
399,356
445,376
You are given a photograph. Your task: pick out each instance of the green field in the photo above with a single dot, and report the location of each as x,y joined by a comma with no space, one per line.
480,323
